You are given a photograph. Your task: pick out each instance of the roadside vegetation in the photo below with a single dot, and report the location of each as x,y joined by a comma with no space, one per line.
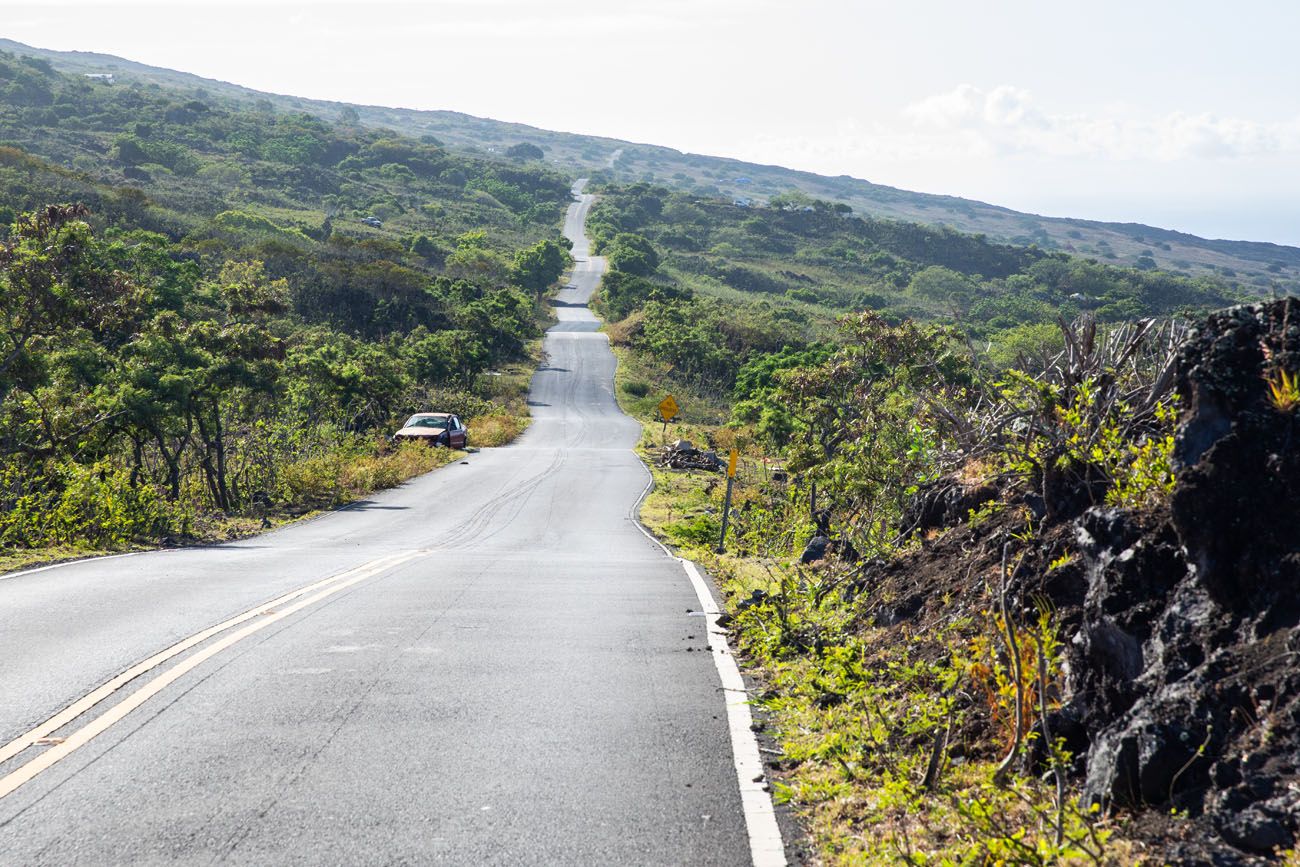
211,316
723,298
948,449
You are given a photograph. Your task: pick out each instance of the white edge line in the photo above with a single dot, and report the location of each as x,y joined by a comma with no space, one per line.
7,575
766,848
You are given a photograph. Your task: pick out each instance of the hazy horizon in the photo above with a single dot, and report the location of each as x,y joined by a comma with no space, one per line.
1169,115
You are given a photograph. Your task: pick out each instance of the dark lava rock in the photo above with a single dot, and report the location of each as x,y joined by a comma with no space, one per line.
944,503
682,455
1184,668
1235,505
816,549
1254,830
758,597
1130,568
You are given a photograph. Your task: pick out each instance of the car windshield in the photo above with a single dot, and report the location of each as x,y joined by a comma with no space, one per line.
426,421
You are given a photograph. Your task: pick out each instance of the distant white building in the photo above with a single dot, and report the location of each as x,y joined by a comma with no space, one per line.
106,77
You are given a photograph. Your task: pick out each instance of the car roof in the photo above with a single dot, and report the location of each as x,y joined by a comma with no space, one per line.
431,415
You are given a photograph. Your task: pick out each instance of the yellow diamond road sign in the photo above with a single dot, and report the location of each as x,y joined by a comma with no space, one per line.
668,408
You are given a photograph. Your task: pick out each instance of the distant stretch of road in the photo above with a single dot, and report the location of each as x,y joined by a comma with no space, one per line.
488,665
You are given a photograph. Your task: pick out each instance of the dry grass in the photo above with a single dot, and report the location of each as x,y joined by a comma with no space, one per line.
620,333
491,431
368,474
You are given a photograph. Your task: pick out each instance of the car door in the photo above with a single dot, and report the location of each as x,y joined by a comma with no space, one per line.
456,438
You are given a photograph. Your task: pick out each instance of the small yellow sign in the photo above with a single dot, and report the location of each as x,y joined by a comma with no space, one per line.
731,465
668,408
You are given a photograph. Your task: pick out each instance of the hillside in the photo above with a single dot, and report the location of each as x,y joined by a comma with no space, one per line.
986,554
1262,266
685,268
211,313
1035,617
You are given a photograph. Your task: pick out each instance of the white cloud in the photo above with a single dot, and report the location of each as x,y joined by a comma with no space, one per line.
968,107
1006,120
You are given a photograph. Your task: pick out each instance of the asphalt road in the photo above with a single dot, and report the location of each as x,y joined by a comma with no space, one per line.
512,677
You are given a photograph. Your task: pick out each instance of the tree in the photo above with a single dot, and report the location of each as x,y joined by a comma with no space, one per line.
478,265
525,151
865,421
351,383
942,284
622,293
55,283
424,247
443,357
632,254
130,150
537,267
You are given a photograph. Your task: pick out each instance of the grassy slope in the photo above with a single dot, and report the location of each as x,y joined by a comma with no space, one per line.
817,264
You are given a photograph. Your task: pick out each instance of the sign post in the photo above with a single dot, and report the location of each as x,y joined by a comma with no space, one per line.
726,504
667,411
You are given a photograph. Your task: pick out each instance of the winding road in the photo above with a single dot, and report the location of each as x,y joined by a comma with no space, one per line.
491,664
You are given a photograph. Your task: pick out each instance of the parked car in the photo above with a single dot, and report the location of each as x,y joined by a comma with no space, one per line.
435,429
372,222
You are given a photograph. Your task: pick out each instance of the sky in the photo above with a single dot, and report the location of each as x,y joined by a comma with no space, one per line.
1184,114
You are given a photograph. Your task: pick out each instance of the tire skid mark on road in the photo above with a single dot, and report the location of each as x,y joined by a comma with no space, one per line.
252,621
474,529
470,531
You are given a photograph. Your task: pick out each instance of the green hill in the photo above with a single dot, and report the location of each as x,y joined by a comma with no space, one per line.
772,281
1262,266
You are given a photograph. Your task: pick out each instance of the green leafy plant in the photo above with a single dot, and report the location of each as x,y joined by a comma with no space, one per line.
1284,390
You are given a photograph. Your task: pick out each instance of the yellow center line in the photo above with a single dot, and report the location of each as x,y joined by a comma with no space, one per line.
268,612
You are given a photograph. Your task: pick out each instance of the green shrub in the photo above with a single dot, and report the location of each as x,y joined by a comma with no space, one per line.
93,505
700,531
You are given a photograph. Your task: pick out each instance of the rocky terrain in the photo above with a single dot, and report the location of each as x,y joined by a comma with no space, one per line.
1180,696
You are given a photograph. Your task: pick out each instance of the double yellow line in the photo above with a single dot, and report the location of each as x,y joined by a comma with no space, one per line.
252,621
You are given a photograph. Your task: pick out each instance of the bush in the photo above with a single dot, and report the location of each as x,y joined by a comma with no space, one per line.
701,531
96,505
374,473
341,475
